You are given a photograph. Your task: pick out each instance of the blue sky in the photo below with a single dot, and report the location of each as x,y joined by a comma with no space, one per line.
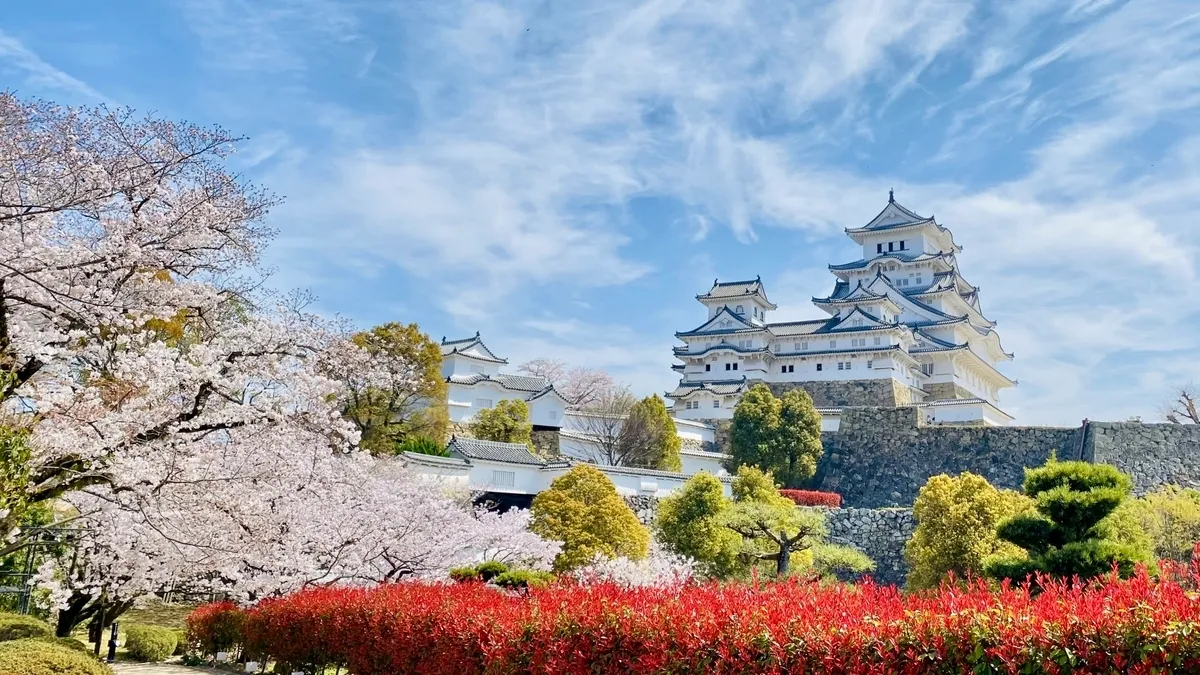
566,176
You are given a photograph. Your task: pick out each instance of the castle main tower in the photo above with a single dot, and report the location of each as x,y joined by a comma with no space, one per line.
905,328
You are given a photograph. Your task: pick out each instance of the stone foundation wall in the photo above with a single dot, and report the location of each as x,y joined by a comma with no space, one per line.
545,442
645,507
1154,454
849,393
942,391
880,457
879,533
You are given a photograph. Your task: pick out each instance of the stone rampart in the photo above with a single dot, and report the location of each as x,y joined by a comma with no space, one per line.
849,393
880,457
879,533
1154,454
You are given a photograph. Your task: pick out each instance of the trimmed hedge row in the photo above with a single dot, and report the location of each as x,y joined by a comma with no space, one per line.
1139,625
46,657
20,626
813,498
150,643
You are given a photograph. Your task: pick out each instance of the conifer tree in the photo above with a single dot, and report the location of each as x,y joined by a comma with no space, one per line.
778,435
1067,535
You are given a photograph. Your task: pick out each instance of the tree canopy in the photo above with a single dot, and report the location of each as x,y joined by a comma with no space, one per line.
689,523
582,510
956,520
781,435
648,437
1067,534
506,422
412,400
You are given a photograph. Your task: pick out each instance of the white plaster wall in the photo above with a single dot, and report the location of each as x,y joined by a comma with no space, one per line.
547,411
695,462
693,431
830,421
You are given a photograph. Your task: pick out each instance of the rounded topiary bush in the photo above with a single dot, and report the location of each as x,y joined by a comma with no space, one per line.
69,643
18,627
150,643
42,657
181,642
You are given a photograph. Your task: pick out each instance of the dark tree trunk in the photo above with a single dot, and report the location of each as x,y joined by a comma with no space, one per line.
785,556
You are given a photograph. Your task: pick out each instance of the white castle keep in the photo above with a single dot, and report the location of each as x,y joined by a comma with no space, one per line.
905,328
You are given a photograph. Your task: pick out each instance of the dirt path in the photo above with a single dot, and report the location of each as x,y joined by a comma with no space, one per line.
156,669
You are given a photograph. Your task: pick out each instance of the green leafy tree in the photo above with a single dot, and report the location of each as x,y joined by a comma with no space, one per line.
15,469
689,523
780,435
649,436
956,528
583,511
1068,534
507,422
422,445
414,404
1170,518
775,530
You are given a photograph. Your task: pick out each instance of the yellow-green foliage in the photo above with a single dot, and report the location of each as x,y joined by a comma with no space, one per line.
956,527
150,643
415,408
507,422
1170,517
38,657
18,627
689,523
583,511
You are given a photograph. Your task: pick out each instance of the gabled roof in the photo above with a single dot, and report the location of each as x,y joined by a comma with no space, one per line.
473,448
894,217
740,323
792,328
717,387
902,256
860,293
683,350
526,383
839,325
475,345
728,290
548,391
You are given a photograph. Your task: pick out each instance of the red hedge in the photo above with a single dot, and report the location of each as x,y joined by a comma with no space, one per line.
216,627
1140,625
813,498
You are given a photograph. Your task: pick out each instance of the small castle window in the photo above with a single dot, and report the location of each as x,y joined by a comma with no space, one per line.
870,363
717,403
902,246
891,246
735,366
879,248
878,340
833,344
504,478
820,367
740,310
707,367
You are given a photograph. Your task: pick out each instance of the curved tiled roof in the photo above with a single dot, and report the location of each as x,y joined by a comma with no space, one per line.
718,387
683,351
459,347
736,289
898,255
526,383
512,453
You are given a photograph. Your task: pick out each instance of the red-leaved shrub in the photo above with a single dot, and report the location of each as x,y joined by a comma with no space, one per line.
813,498
1139,625
216,627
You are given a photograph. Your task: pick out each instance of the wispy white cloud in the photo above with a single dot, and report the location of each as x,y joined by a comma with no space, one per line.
23,62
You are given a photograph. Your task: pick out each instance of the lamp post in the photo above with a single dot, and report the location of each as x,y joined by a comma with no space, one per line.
112,644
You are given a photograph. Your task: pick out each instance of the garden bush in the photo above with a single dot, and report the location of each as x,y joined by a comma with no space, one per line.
181,642
42,657
523,579
150,643
20,626
813,498
1140,625
216,627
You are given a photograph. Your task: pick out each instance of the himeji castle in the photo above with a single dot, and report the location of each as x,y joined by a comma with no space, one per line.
905,328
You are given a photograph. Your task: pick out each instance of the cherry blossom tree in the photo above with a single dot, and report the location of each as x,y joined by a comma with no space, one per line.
192,421
581,387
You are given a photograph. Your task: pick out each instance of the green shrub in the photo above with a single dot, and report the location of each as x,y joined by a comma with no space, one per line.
39,657
1070,532
490,569
464,574
150,643
422,445
69,643
18,627
181,642
523,579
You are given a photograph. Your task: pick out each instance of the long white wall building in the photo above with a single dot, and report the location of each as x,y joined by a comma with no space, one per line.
475,382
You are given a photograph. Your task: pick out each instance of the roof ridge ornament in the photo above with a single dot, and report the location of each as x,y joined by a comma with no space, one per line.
891,196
